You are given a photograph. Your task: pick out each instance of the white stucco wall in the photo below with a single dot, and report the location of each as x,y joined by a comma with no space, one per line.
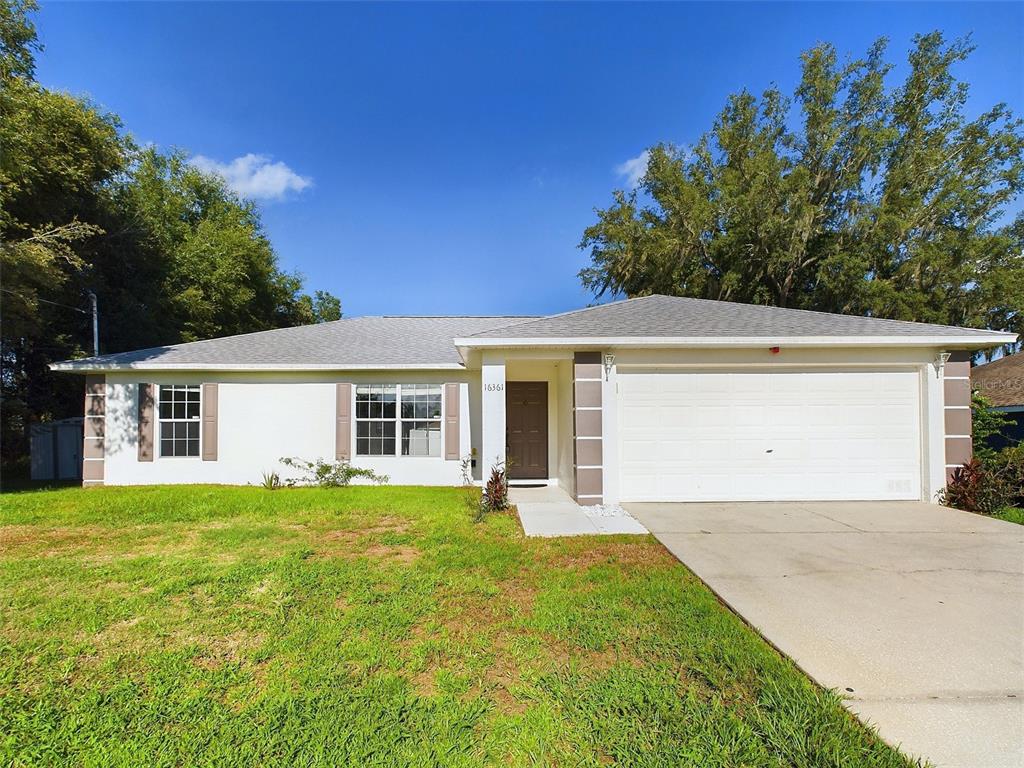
492,411
264,417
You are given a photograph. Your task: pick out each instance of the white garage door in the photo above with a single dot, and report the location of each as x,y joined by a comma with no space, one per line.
754,436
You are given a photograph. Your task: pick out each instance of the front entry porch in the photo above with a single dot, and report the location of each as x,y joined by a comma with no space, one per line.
543,419
549,511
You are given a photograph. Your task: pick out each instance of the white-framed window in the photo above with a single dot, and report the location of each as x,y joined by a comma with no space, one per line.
398,419
375,419
178,410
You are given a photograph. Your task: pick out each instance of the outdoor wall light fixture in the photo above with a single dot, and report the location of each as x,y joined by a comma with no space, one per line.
609,361
940,362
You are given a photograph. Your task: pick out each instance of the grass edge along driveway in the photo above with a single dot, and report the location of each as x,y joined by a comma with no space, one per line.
375,626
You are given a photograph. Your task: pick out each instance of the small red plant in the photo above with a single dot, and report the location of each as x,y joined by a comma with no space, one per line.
495,495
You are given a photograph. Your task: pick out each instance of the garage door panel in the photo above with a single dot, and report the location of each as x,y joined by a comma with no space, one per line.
769,436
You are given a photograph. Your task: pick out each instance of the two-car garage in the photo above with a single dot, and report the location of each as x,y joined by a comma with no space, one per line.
748,434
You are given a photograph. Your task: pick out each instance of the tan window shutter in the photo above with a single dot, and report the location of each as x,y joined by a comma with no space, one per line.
343,429
209,422
146,418
452,434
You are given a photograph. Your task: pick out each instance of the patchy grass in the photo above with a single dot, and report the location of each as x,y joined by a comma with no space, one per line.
1011,515
375,626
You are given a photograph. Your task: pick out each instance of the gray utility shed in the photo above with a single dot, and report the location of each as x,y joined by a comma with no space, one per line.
57,450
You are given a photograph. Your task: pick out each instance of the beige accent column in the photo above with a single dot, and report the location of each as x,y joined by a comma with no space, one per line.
452,432
956,383
147,393
588,464
343,426
94,429
209,422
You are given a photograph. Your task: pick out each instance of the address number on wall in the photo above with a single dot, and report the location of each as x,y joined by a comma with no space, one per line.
493,387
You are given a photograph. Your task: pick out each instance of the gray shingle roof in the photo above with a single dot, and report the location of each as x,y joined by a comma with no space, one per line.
673,316
429,342
1001,381
359,342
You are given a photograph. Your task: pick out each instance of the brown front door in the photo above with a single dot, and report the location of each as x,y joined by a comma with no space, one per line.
526,429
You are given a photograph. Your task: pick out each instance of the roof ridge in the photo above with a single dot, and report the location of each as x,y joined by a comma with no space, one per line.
823,313
162,348
538,318
766,307
442,317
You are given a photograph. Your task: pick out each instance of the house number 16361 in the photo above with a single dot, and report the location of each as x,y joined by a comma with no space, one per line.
493,387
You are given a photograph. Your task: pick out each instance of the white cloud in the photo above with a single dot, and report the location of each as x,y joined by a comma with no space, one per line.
255,176
634,168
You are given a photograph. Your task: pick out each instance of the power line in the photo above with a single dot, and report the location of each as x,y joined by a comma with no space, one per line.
45,301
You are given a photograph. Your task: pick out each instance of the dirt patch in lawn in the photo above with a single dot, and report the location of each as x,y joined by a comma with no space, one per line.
366,541
399,554
53,541
376,527
494,626
627,555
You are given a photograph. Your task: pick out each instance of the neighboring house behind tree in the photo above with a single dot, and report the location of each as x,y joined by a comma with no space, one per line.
650,399
1001,383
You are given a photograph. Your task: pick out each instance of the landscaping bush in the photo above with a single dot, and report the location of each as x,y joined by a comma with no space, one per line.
1012,467
328,474
993,480
981,487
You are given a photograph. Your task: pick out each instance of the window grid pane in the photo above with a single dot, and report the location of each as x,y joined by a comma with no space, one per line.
375,414
421,438
179,415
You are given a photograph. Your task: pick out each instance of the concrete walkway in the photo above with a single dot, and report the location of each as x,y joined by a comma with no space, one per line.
550,511
913,612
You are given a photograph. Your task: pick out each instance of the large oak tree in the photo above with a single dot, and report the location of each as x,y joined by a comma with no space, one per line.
850,196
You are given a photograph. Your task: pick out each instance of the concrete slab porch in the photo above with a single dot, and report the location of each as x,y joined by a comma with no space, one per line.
550,511
913,612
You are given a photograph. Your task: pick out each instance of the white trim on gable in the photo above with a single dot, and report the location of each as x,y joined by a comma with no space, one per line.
86,367
578,342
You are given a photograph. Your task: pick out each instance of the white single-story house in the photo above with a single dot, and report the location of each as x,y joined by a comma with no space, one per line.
649,399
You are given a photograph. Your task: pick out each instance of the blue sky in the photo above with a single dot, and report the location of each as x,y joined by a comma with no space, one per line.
433,159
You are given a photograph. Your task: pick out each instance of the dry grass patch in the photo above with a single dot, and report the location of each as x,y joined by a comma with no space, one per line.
583,553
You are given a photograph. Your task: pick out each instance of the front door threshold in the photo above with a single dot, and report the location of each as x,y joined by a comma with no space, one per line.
522,482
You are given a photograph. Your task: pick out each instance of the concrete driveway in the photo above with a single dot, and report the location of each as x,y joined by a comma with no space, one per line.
912,611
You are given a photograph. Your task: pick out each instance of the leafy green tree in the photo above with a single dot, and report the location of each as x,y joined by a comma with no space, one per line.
58,152
217,272
321,307
847,197
986,422
18,41
172,254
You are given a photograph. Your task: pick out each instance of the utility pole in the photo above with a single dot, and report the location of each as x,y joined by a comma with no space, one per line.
95,327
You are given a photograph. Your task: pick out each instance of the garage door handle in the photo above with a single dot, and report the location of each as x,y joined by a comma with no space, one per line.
769,450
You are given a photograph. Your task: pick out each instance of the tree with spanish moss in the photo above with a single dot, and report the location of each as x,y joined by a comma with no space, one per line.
852,195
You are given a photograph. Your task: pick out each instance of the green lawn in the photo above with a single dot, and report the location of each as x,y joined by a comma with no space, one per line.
1011,515
375,626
